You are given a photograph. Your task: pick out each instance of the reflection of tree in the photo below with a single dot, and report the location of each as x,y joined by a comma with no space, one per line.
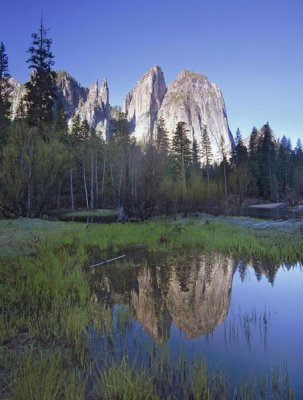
266,268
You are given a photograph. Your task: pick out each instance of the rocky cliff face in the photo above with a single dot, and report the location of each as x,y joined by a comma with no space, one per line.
191,98
91,104
143,103
17,92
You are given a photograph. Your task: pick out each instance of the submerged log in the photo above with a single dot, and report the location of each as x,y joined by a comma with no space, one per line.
107,261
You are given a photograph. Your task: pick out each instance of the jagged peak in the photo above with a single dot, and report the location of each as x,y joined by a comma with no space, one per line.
104,82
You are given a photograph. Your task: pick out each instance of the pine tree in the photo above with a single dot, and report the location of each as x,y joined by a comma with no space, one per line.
4,89
253,161
206,151
181,149
240,150
267,157
182,157
195,155
284,164
41,87
162,140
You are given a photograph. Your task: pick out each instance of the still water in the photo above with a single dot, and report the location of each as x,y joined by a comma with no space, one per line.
244,318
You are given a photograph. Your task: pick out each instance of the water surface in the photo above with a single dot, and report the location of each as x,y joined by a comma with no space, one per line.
242,318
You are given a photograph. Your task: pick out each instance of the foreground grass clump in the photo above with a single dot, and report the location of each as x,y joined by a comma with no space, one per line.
47,377
46,295
123,382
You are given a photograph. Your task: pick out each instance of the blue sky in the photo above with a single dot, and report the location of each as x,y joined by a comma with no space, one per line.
253,49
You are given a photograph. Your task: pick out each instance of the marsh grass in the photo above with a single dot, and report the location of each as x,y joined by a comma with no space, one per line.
47,377
217,236
47,295
124,316
124,382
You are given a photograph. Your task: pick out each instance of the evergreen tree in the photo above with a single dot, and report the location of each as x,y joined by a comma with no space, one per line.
195,155
4,97
240,150
60,120
41,87
206,151
162,140
267,157
253,163
284,164
298,148
181,149
182,159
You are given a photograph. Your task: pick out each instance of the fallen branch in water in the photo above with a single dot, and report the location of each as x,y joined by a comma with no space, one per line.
107,261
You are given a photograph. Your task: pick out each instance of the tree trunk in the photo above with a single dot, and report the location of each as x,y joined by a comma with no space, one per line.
72,189
29,185
58,195
103,177
96,180
84,178
85,187
92,180
225,178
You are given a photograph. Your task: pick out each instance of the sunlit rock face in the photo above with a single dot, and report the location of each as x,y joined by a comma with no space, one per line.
190,98
149,306
200,302
17,92
90,104
198,102
142,104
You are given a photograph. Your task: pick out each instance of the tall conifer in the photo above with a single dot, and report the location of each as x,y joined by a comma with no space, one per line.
41,87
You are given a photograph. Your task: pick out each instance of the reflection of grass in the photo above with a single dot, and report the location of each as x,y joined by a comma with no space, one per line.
124,315
91,213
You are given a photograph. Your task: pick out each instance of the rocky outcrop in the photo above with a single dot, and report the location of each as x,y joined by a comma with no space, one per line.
143,103
91,104
17,92
192,98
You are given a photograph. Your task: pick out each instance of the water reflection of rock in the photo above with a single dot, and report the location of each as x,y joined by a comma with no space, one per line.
195,296
149,305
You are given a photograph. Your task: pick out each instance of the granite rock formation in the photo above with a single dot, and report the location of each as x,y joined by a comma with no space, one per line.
142,104
191,98
91,104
